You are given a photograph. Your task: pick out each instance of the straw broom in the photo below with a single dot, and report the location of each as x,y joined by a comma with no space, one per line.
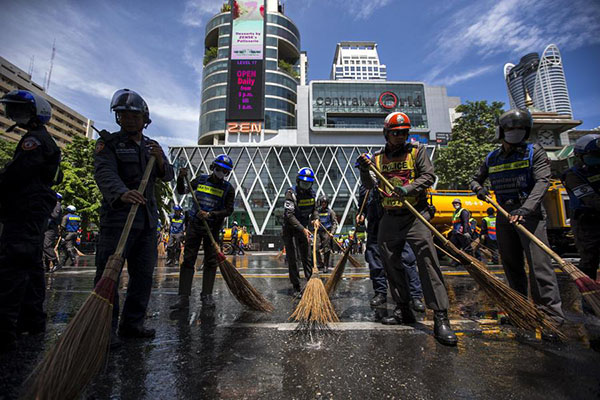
589,289
521,312
352,260
239,286
81,350
338,271
314,311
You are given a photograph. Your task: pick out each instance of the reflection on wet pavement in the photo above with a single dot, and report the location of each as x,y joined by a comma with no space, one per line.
229,352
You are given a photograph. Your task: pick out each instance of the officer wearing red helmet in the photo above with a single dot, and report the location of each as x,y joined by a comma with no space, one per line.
409,169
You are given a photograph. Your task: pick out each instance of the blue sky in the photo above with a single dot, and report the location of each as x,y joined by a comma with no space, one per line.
156,48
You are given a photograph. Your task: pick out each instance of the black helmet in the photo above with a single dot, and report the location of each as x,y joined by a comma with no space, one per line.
128,100
323,198
514,118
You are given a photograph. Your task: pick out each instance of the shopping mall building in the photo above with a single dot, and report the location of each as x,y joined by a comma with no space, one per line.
259,109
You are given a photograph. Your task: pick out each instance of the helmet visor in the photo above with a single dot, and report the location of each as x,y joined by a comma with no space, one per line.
127,100
515,120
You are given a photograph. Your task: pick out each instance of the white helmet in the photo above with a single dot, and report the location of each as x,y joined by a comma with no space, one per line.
71,209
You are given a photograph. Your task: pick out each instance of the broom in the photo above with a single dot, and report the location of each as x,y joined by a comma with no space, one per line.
239,287
314,311
353,261
338,271
590,289
81,350
522,313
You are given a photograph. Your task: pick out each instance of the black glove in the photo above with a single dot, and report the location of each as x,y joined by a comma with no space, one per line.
482,193
363,162
401,192
522,212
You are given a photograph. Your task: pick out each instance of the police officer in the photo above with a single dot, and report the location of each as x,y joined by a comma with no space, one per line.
26,202
409,169
51,261
461,228
216,197
583,185
488,234
519,174
328,226
299,215
176,235
69,229
235,239
119,162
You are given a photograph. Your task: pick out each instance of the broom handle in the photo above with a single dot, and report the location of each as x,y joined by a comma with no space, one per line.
134,208
530,235
315,269
210,236
362,206
410,207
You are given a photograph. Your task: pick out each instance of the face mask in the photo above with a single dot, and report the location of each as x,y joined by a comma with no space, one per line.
456,206
591,160
219,174
514,136
304,185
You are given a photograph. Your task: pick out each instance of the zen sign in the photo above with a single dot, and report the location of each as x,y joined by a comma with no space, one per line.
244,127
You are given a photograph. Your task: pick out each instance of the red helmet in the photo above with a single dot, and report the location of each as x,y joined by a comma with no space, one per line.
396,121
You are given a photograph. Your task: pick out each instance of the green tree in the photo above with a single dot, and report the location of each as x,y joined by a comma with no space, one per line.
7,150
210,54
289,68
472,139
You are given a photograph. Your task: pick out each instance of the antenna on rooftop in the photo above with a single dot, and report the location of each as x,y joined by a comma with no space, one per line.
30,71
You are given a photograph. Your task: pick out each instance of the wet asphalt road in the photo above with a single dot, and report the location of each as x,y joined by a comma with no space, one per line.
232,353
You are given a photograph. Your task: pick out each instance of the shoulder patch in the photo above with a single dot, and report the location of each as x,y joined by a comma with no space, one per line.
30,143
99,146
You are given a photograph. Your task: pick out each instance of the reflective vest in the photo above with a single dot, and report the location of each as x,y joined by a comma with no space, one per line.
592,180
73,223
490,222
511,177
177,223
457,225
325,218
475,230
399,171
211,196
305,205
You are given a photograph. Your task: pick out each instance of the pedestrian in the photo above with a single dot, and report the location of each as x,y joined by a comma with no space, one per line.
408,168
583,185
460,236
176,236
235,240
119,164
51,260
68,231
216,197
26,202
488,234
299,215
519,173
328,220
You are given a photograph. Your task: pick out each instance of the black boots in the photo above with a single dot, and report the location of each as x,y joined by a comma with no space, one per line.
417,305
186,278
442,330
182,303
401,315
378,300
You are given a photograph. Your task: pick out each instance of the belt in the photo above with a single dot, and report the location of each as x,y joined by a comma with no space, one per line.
396,213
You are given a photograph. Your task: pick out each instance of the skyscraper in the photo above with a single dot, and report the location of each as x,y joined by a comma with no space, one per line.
357,61
543,79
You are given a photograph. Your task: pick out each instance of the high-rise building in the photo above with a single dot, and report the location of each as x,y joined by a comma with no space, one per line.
543,79
65,123
357,61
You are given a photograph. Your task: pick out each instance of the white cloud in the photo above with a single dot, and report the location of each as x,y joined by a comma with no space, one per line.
196,11
456,78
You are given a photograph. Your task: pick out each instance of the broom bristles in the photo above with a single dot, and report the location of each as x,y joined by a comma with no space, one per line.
337,273
354,263
314,309
241,289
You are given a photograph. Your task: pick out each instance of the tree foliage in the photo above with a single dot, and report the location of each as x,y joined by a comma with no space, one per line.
7,150
472,139
210,54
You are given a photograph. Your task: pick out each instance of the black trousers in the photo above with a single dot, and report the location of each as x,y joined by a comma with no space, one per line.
22,283
196,235
69,243
325,244
50,237
587,239
290,236
174,247
141,255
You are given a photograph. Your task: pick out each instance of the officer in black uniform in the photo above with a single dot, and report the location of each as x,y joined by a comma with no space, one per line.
583,185
51,261
329,225
299,214
26,201
216,197
120,161
519,174
176,235
68,230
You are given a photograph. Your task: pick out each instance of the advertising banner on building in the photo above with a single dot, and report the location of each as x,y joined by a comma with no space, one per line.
247,29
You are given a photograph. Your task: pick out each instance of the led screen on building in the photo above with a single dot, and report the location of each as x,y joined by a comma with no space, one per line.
364,105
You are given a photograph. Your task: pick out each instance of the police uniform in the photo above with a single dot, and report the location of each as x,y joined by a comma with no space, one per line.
26,202
409,167
215,197
50,237
329,224
520,179
176,236
70,226
583,185
119,165
488,230
298,213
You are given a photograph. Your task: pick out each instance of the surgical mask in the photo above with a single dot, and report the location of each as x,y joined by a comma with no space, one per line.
514,136
591,159
219,174
456,206
304,185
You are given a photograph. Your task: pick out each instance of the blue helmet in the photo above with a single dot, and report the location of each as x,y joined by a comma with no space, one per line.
18,101
223,161
177,208
587,144
306,174
58,196
369,156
